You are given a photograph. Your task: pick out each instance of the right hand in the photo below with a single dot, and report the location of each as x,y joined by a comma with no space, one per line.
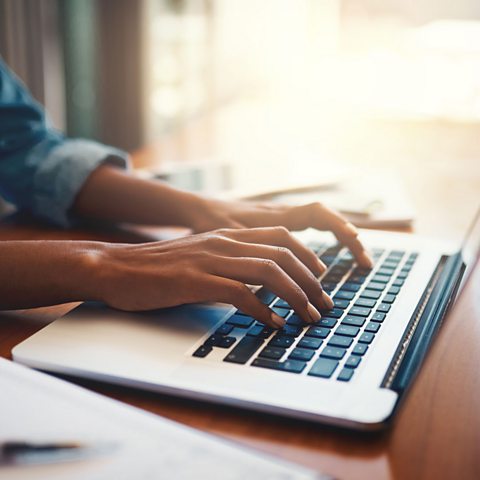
214,266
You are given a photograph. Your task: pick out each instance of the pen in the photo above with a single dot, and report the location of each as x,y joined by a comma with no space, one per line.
20,452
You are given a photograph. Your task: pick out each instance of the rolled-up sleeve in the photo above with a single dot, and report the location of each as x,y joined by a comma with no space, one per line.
40,170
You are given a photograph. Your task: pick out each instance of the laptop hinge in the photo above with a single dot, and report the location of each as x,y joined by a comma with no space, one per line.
425,322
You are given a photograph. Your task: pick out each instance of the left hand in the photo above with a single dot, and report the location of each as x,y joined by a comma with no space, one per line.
243,214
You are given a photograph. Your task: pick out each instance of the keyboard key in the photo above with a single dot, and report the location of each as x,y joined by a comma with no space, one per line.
340,341
282,303
291,330
357,278
345,375
393,291
366,337
344,295
373,327
323,367
281,341
353,361
302,354
383,307
378,317
240,321
376,286
295,320
396,254
339,303
402,274
347,330
265,296
329,286
292,366
354,321
351,287
310,342
334,313
370,294
360,349
225,342
317,332
260,330
213,340
225,329
274,353
244,349
333,352
392,264
282,312
360,311
381,279
398,282
326,322
202,351
388,298
385,271
365,302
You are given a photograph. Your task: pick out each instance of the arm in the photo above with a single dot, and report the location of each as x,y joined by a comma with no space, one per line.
40,170
39,273
115,195
206,267
54,177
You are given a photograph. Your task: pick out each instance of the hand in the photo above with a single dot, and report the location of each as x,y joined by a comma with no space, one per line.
241,214
214,266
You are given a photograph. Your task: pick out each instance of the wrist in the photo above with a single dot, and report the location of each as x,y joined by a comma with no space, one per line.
85,269
196,210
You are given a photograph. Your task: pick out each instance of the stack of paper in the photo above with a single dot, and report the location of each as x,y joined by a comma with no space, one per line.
35,407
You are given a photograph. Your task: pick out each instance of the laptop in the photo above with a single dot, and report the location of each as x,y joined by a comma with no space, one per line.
350,369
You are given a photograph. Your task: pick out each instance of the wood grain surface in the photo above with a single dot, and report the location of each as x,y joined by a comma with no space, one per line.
436,434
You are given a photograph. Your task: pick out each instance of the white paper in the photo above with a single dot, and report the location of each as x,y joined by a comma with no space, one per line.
39,408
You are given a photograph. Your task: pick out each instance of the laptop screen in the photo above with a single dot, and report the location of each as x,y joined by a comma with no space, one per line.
470,251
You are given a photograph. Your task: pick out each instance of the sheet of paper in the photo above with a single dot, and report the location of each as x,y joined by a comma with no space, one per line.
40,408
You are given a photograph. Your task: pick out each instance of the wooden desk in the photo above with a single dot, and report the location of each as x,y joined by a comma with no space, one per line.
437,431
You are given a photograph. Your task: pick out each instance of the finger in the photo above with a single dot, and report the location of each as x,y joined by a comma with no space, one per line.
280,236
226,223
321,217
238,294
290,264
260,271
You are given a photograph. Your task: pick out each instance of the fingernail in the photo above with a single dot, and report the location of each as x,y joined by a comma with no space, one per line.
313,312
327,300
277,320
351,228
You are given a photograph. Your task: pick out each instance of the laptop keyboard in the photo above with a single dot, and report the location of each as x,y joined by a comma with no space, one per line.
334,346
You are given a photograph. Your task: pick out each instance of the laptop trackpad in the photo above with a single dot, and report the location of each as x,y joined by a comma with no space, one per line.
97,338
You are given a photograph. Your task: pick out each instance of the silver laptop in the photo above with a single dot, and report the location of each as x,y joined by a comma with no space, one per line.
350,369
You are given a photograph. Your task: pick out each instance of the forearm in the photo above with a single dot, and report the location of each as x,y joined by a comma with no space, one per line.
39,273
117,196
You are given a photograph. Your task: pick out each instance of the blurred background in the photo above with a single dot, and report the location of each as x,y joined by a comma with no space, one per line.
269,94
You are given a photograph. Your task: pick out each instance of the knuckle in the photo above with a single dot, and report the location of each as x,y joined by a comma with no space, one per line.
316,206
215,241
268,266
283,253
222,232
281,230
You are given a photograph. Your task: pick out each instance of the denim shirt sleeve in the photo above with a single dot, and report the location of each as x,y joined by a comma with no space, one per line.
40,170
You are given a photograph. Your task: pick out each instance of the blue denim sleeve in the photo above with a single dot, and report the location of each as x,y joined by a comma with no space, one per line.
40,170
